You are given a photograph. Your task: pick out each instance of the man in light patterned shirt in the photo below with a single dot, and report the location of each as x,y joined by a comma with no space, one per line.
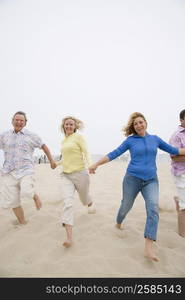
18,146
178,171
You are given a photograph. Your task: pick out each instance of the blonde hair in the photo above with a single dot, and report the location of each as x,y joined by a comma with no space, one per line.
129,128
78,123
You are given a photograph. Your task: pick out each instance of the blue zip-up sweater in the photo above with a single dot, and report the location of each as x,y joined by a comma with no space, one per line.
143,151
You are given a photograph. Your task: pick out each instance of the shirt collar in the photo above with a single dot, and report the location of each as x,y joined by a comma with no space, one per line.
181,129
22,131
68,136
139,136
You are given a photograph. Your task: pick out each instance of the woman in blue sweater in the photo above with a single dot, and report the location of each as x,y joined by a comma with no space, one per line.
141,175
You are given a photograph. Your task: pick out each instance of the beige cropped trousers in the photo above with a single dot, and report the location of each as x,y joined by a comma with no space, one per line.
72,182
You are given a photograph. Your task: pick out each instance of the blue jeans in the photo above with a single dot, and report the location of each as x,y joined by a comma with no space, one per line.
150,191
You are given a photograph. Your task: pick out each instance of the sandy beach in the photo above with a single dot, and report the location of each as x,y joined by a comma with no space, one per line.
99,249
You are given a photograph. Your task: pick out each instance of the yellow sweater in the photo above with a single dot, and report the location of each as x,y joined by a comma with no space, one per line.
75,156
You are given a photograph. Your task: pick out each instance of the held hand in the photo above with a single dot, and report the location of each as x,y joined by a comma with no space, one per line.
92,169
53,164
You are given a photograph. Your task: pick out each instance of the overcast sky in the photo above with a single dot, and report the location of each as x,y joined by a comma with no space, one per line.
99,60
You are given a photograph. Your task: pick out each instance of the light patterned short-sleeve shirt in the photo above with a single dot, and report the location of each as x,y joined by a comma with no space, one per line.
18,151
178,140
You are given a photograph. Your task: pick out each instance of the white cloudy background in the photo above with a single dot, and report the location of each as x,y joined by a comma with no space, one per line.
99,60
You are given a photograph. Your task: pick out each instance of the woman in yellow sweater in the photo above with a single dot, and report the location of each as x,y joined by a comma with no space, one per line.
75,177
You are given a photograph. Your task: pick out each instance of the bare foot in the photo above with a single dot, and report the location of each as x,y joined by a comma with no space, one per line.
38,202
176,199
119,226
16,222
149,252
150,255
24,223
67,243
91,208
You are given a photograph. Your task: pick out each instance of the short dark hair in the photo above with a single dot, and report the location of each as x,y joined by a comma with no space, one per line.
182,114
20,113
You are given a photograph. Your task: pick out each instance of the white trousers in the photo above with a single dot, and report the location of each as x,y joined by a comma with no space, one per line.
180,186
76,181
13,191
